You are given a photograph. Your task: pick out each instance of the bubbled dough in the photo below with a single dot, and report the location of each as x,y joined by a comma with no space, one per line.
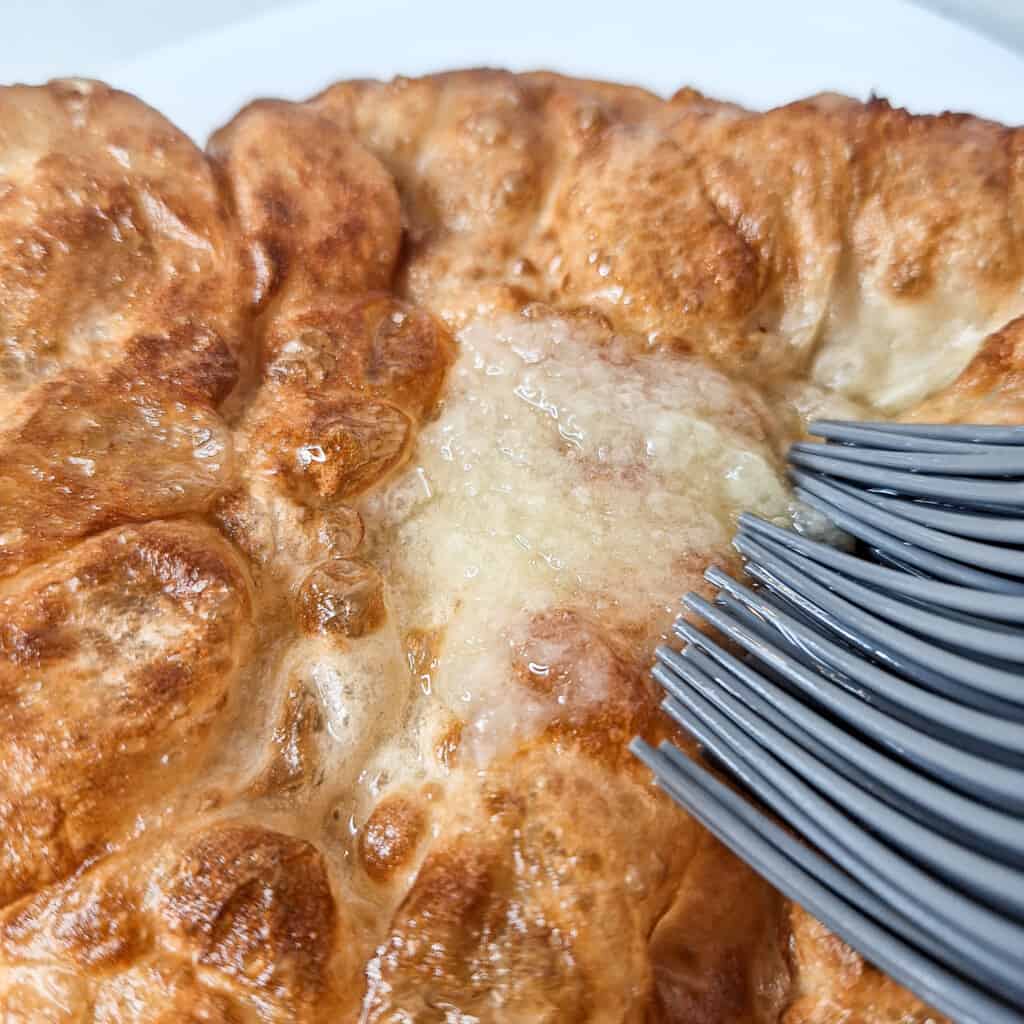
349,476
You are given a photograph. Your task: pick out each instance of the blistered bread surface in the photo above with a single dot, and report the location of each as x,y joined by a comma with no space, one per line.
349,473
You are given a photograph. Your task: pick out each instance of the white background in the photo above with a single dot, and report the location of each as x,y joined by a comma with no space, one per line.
198,60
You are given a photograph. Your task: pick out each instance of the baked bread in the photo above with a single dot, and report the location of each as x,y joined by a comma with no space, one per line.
348,475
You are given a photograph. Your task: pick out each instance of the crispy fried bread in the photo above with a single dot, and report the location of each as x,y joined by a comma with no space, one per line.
349,472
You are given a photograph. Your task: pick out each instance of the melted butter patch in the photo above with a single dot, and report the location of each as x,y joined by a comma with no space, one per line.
562,471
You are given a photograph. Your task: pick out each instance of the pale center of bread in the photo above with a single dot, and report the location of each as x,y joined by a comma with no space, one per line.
895,354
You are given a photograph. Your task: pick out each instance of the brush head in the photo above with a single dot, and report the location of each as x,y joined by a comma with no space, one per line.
877,704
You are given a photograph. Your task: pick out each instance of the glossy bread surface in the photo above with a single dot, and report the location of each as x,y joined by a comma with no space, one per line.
349,473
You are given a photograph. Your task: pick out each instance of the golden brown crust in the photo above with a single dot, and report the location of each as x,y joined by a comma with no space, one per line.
292,758
766,241
256,906
85,454
314,206
92,172
93,725
499,919
833,980
233,922
245,495
119,306
390,836
343,597
721,959
372,345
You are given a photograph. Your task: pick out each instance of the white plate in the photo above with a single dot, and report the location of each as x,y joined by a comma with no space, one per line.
759,52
